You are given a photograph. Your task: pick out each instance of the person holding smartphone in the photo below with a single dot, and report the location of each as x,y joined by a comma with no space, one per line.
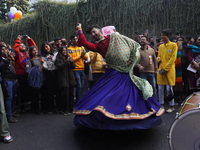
4,127
9,84
21,58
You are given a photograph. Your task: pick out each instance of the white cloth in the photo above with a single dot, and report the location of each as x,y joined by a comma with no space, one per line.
161,93
50,64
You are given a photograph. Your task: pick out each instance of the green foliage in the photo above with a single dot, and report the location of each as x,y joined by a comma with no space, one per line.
3,10
21,5
5,5
53,19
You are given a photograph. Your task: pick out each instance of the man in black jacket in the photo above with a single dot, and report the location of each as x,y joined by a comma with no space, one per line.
9,84
4,128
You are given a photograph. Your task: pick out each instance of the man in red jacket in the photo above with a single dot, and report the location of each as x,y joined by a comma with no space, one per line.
21,57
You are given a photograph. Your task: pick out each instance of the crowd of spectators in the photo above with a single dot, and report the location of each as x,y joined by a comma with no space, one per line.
52,78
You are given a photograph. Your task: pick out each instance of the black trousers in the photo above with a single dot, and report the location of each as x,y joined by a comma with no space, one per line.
35,94
66,99
96,77
48,91
23,91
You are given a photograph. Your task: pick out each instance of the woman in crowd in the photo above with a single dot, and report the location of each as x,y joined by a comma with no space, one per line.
189,40
34,64
193,55
66,81
21,57
50,84
178,89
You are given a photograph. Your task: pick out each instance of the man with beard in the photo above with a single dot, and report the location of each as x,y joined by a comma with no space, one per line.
151,42
119,100
4,127
148,65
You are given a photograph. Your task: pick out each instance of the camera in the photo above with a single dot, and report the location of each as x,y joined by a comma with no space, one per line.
12,50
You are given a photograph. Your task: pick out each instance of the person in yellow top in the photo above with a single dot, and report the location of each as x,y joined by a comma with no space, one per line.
166,75
79,55
98,66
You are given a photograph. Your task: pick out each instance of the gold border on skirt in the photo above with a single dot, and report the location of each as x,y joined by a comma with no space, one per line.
121,116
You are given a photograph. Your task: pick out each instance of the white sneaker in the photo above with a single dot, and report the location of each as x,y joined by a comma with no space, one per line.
7,139
170,110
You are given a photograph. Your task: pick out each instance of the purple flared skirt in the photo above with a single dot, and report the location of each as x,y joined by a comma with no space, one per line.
115,103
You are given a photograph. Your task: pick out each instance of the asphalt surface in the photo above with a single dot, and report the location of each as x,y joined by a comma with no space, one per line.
56,132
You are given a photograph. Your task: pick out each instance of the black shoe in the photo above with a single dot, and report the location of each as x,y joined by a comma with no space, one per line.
38,112
15,115
12,120
22,111
49,112
59,111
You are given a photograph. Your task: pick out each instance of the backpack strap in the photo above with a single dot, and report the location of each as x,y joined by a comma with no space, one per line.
32,63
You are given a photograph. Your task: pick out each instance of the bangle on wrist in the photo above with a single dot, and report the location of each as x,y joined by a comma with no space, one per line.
80,31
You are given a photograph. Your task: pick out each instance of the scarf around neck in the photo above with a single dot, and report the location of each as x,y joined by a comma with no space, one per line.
194,48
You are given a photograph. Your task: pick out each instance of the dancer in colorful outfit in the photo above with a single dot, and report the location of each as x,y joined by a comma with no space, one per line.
119,100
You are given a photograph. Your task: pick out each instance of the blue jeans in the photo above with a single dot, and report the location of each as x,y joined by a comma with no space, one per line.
152,80
11,91
79,76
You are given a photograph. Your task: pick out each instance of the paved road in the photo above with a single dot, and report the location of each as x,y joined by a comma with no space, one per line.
56,132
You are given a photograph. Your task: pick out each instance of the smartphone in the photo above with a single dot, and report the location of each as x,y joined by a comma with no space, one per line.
160,72
24,36
12,50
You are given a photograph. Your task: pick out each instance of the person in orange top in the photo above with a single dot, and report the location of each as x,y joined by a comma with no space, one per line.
21,57
79,55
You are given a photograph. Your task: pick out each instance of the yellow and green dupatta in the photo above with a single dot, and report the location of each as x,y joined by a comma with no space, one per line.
121,50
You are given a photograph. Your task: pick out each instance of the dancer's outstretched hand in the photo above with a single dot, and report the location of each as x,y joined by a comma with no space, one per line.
78,27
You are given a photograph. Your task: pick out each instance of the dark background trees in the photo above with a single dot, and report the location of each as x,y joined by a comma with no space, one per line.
52,19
